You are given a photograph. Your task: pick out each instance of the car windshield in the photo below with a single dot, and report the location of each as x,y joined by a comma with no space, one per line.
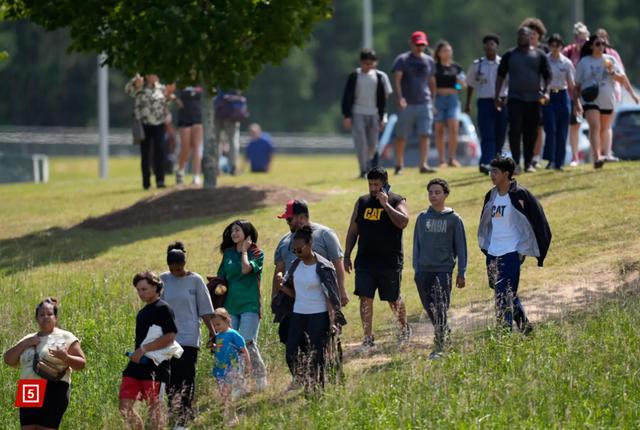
628,119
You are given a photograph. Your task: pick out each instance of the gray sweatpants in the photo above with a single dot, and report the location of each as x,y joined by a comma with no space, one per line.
231,129
364,129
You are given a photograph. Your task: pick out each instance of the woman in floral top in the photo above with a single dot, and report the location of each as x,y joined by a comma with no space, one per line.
151,107
241,266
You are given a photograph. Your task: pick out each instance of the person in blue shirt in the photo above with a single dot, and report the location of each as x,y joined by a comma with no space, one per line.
228,347
260,149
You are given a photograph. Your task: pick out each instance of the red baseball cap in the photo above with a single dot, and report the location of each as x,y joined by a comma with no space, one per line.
419,38
294,207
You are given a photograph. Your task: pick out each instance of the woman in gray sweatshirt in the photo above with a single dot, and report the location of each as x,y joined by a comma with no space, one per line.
438,241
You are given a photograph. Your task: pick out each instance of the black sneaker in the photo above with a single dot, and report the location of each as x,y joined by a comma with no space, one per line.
484,168
405,334
399,170
367,345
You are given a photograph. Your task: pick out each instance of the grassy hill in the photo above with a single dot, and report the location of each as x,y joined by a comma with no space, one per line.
575,372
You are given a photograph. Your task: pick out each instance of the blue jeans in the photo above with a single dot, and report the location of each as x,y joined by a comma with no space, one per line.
248,324
447,107
504,277
492,125
556,127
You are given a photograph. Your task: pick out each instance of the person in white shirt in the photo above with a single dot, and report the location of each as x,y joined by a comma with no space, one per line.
313,284
492,123
512,225
363,108
557,112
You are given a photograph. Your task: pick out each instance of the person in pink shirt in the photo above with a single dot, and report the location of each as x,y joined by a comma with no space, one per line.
572,51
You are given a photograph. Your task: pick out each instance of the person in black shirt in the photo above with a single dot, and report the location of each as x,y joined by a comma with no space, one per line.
142,379
526,67
376,225
449,79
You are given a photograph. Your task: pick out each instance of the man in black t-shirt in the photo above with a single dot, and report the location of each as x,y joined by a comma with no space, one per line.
142,379
529,76
376,225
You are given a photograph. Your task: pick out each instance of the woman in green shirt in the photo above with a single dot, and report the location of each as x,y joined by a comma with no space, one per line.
241,267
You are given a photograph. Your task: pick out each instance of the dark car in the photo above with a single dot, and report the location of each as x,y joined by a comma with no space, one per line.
626,133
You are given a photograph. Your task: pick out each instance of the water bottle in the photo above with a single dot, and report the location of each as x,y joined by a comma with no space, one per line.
143,360
460,77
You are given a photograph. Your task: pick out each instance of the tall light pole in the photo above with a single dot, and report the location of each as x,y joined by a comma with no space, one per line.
103,115
578,10
367,24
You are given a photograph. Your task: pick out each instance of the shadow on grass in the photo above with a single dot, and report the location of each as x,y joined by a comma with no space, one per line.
164,213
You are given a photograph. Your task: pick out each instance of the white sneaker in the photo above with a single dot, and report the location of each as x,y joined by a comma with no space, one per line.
573,163
261,384
196,180
179,428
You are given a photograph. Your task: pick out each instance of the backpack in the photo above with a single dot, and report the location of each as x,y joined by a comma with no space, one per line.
231,107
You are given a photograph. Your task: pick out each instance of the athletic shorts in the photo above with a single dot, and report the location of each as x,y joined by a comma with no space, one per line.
141,389
595,107
56,401
387,282
418,118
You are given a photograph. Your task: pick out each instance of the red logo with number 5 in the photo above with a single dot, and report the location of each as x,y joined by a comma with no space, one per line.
31,393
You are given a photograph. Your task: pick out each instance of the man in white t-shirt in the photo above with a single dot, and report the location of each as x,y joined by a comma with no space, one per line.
363,107
512,226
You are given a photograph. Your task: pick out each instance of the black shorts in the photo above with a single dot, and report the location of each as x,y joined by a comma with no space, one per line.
387,282
188,123
595,107
573,119
56,400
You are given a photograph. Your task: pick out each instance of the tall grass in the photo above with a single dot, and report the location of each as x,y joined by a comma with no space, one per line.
488,382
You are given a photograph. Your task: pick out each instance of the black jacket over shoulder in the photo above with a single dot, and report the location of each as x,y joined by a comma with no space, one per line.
527,205
329,280
349,95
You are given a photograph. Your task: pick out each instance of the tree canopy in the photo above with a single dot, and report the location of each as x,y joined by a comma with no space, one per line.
219,42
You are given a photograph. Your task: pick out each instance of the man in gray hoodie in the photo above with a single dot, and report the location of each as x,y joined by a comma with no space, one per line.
438,241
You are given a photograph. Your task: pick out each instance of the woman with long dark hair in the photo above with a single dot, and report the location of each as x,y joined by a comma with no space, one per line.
449,79
595,76
241,267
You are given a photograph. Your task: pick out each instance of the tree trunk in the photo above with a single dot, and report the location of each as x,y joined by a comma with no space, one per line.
210,155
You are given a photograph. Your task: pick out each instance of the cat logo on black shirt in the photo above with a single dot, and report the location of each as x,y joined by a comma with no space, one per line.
372,214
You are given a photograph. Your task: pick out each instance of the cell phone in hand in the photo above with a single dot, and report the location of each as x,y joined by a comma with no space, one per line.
386,187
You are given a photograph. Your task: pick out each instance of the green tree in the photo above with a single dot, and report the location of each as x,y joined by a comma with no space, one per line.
220,42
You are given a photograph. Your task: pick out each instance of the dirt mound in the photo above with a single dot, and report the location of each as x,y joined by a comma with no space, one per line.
180,204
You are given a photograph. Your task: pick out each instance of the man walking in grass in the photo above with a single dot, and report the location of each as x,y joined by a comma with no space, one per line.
376,225
512,226
438,241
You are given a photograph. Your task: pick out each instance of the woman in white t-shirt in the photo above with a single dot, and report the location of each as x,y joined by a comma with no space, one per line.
61,352
313,311
598,71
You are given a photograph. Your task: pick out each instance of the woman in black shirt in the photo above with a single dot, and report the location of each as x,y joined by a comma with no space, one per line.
449,79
